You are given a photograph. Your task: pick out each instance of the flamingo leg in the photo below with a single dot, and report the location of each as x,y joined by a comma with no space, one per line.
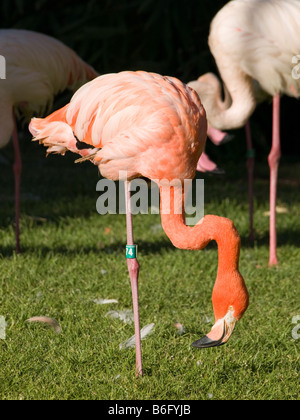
273,159
250,167
17,173
133,268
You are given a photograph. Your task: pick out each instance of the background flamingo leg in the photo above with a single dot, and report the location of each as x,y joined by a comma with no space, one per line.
250,167
133,269
17,173
273,159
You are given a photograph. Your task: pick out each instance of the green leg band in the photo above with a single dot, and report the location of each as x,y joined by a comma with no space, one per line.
131,251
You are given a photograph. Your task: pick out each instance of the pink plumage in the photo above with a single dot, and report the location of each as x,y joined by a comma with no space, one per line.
153,126
135,121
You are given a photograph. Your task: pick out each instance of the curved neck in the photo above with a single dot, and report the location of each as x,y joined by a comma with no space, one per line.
206,230
239,103
229,290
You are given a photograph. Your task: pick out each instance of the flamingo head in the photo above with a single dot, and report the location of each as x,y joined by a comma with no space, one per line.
230,301
220,332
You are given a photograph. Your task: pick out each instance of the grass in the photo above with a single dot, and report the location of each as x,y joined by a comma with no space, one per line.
72,256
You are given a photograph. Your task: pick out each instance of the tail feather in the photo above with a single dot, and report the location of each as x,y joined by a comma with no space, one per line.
58,137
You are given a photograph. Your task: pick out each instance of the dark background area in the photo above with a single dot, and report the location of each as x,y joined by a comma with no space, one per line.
167,36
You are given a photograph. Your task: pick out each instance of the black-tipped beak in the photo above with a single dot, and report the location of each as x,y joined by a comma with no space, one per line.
227,139
205,342
217,171
219,334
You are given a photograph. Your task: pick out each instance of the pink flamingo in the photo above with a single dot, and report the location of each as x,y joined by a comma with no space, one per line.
37,68
254,42
146,125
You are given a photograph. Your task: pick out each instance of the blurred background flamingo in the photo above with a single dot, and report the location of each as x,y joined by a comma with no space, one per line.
38,67
254,50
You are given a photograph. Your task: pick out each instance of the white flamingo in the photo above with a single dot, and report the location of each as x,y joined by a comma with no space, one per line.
37,68
254,43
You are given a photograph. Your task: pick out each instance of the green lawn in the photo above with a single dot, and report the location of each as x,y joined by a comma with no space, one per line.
70,258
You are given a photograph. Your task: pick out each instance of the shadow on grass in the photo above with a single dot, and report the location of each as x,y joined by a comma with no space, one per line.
286,237
147,248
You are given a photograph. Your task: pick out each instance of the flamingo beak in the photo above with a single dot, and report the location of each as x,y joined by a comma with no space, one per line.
227,138
220,332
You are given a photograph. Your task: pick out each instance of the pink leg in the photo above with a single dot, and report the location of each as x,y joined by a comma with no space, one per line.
250,167
133,268
273,160
17,173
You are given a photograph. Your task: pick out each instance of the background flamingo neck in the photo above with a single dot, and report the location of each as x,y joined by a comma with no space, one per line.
242,104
